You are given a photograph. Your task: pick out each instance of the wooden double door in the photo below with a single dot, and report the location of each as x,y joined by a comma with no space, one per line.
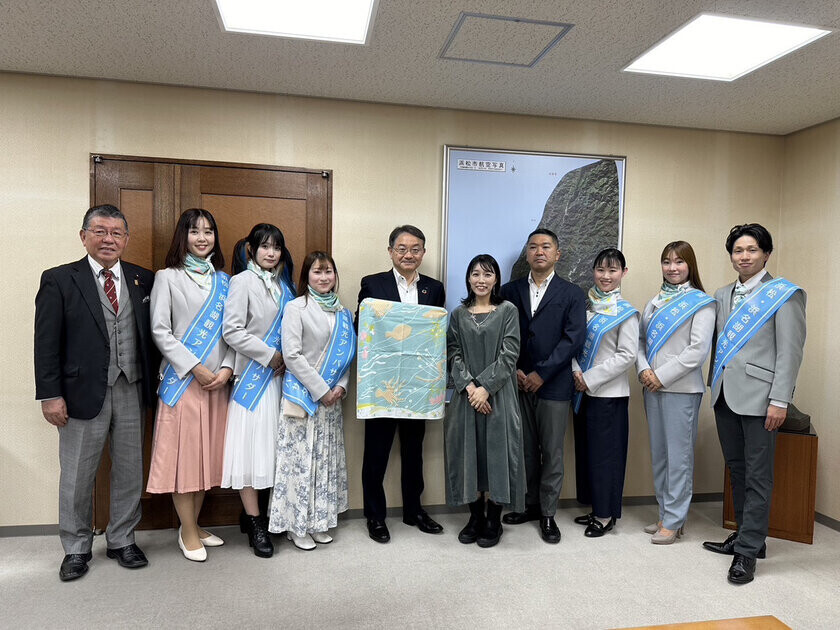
152,193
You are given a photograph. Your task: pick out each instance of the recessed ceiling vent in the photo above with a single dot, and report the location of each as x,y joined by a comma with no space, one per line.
497,39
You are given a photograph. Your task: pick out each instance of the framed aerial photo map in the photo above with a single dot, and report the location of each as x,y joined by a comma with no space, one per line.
492,200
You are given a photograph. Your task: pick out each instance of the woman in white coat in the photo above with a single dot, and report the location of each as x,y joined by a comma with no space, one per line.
603,393
253,319
676,336
310,488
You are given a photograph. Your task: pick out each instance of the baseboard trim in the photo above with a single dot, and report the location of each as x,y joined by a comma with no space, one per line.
28,530
396,512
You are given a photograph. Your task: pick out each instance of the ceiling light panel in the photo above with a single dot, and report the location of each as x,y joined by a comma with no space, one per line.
346,21
723,48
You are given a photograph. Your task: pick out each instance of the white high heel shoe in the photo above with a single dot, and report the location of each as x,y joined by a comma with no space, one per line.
304,542
212,541
196,555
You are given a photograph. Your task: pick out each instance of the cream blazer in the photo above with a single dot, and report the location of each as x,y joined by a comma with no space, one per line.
249,311
607,378
306,332
174,303
679,362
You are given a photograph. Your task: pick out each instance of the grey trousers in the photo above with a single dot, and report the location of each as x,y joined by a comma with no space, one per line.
80,447
749,450
672,424
543,434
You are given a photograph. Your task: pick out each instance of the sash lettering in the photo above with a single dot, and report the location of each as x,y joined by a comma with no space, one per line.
597,327
671,316
748,318
201,337
255,378
339,355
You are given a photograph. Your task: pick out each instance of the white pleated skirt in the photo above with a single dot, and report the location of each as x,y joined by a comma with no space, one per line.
250,439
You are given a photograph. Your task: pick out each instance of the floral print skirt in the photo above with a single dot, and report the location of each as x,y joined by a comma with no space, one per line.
310,479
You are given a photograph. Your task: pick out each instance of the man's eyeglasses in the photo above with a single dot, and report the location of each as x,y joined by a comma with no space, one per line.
402,250
99,232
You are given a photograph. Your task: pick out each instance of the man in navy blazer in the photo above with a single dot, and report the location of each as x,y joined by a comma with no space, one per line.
402,283
95,367
552,326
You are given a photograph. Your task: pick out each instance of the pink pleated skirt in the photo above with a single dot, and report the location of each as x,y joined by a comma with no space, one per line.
189,442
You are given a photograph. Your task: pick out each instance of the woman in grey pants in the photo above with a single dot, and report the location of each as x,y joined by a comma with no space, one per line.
675,338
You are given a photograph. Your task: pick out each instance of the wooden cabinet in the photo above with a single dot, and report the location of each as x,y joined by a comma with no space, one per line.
794,488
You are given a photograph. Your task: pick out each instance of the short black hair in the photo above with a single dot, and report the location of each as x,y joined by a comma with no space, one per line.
106,211
416,232
610,255
488,263
546,232
756,230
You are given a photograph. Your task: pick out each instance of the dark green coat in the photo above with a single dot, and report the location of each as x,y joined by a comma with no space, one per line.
488,353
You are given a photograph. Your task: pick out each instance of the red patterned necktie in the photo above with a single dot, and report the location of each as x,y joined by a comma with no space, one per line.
111,289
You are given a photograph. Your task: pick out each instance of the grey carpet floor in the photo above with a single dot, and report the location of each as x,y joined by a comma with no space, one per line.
423,581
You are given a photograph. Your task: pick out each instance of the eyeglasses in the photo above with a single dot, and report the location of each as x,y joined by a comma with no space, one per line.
402,250
99,232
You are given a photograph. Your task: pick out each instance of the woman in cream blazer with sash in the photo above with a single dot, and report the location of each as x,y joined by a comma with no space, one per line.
673,385
188,445
603,393
310,488
253,314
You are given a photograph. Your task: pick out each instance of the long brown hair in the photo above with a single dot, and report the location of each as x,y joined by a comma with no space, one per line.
684,250
308,262
179,248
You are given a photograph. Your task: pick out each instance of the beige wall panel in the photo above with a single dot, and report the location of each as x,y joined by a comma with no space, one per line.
807,242
387,163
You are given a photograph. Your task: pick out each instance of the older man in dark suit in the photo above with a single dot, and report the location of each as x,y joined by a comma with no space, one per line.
94,362
552,322
403,283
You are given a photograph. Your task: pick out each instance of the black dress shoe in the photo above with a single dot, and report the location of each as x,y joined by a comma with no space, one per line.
129,556
424,523
378,531
549,531
727,547
742,569
531,513
584,519
74,566
596,528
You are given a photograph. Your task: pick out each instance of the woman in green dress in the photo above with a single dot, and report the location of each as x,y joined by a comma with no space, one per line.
483,431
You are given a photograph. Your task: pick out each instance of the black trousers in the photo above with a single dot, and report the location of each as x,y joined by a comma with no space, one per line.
605,423
581,458
379,436
749,450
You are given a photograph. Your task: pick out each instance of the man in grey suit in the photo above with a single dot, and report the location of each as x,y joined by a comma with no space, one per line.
94,365
760,335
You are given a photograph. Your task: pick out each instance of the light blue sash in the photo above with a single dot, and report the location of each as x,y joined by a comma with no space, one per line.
200,339
597,327
255,377
748,318
338,357
670,316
